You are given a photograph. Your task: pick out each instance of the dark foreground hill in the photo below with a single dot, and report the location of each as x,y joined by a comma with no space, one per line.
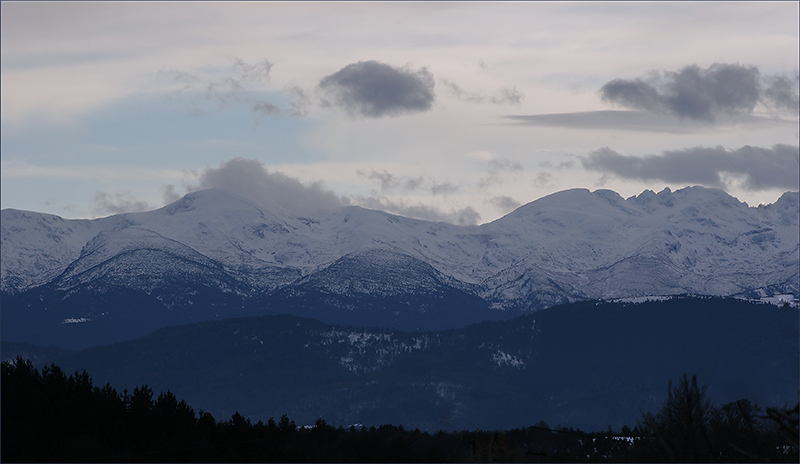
585,365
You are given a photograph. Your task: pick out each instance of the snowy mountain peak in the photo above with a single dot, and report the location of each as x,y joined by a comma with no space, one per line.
567,246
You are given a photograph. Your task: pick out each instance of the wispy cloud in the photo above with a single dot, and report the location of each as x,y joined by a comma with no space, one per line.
390,183
504,203
117,203
207,91
499,165
643,121
504,96
444,188
496,170
609,120
169,193
463,216
298,101
264,108
372,89
258,71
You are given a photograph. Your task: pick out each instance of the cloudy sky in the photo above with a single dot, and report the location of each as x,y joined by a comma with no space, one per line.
446,111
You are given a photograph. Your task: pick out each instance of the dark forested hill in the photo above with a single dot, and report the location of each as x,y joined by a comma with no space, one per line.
586,365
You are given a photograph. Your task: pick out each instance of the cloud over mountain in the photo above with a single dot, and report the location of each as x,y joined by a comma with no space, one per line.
758,168
465,216
250,179
704,94
117,203
372,89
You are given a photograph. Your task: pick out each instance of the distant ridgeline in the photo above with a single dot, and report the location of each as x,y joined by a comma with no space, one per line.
588,365
213,255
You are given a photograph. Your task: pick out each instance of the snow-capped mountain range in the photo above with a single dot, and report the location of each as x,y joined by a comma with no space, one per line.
569,246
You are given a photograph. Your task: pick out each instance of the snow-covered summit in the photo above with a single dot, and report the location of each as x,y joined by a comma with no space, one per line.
567,246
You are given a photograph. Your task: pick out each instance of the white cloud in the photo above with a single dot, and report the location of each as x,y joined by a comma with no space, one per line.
116,203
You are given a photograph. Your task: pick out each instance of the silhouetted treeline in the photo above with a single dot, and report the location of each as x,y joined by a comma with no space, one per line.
48,416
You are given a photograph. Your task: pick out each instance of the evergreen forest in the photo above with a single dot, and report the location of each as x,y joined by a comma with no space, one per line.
48,416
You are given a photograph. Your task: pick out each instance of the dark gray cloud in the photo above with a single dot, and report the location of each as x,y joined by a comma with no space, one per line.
117,203
250,179
757,168
372,89
703,94
505,203
782,93
506,95
464,216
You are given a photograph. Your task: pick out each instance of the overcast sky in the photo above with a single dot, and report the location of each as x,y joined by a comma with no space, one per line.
445,111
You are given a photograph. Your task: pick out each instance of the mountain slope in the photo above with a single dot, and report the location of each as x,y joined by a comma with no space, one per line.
214,254
376,286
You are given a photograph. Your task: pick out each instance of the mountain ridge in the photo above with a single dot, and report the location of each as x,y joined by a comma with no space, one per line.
246,257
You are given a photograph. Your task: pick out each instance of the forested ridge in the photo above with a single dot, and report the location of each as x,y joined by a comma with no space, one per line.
48,416
603,364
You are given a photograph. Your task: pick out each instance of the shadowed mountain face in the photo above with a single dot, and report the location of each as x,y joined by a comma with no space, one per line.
586,365
212,254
